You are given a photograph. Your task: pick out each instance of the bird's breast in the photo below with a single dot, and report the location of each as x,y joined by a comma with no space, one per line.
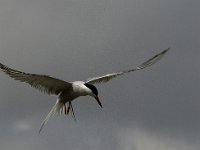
80,89
77,89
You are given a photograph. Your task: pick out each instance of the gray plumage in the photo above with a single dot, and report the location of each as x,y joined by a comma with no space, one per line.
108,77
43,83
68,91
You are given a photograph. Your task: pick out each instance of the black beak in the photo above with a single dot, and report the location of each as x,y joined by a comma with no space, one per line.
98,101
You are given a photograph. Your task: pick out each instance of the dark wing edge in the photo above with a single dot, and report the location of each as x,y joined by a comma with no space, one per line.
108,77
43,83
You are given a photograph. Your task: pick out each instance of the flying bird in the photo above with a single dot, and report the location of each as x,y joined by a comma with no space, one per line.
68,91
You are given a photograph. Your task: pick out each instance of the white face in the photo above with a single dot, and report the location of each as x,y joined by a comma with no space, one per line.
94,93
89,92
80,89
93,89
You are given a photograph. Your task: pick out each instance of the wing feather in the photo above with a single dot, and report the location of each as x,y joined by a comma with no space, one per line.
43,83
108,77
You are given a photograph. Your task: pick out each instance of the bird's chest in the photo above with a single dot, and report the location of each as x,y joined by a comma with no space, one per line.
68,95
72,93
79,90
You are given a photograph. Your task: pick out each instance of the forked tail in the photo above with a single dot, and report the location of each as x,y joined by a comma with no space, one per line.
57,109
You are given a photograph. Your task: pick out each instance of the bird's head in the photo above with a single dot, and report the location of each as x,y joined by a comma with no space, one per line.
94,92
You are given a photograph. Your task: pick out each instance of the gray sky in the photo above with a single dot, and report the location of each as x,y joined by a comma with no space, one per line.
156,108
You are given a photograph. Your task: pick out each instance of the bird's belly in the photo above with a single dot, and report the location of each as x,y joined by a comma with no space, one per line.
68,96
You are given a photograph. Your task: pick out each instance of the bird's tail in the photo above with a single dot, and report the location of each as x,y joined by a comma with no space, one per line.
58,108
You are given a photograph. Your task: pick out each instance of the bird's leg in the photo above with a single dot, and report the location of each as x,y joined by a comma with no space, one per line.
68,108
72,110
73,114
65,109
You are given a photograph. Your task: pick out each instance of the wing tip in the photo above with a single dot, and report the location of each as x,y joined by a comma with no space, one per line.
40,130
166,50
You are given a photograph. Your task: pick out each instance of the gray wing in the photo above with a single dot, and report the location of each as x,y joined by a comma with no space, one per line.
108,77
44,83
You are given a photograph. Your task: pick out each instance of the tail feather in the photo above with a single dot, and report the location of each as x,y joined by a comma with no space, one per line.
56,109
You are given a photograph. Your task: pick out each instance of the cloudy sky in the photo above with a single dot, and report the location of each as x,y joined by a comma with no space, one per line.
156,109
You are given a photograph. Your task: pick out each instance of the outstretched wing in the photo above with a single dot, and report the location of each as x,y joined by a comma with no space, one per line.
44,83
108,77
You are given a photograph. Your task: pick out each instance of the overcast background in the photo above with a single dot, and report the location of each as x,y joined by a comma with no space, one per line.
156,109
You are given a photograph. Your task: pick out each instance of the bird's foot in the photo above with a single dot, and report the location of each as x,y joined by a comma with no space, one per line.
65,109
68,108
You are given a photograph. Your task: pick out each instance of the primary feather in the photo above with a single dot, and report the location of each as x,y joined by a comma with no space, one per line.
68,91
108,77
44,83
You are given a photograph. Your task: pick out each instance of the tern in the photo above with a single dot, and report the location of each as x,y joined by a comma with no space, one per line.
65,91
